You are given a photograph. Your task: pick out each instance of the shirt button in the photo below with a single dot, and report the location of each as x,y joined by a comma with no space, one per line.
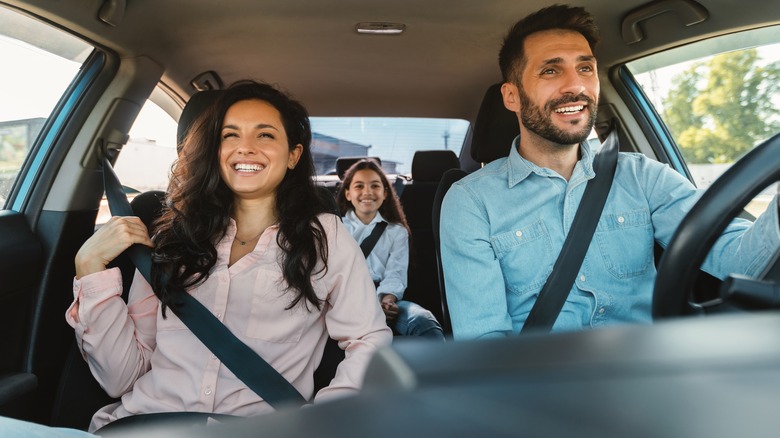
582,278
602,310
207,391
219,316
213,357
519,233
621,219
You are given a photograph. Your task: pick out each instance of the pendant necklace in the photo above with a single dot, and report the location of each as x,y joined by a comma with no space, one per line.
243,242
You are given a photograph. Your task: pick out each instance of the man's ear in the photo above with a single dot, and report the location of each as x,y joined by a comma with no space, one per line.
511,95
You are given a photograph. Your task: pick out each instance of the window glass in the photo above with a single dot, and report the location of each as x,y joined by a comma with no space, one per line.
145,161
719,99
38,63
393,140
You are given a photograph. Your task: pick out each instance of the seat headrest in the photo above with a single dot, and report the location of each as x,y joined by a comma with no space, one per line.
429,166
344,163
494,129
192,109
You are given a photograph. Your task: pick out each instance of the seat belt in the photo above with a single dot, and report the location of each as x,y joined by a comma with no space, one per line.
553,295
369,242
244,362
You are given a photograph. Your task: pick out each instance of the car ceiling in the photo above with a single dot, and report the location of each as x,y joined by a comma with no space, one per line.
440,66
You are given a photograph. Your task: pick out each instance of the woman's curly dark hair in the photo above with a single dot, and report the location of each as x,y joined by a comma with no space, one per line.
199,204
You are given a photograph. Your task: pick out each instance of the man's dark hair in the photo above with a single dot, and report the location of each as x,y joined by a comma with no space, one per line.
512,59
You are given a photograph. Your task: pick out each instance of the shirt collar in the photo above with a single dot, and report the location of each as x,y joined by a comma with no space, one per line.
353,217
520,168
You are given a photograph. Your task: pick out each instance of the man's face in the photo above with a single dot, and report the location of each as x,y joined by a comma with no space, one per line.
559,87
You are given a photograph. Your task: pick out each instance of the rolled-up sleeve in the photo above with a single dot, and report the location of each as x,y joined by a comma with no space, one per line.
744,247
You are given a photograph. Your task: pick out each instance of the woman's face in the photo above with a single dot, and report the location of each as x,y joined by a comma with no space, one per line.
254,155
366,193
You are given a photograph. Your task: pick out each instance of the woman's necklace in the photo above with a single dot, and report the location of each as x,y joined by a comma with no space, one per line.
244,242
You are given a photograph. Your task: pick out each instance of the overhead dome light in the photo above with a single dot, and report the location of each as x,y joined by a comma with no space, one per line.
380,28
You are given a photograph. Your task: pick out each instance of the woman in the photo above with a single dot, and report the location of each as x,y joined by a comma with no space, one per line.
365,200
244,233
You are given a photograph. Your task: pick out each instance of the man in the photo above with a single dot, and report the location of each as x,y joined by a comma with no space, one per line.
503,226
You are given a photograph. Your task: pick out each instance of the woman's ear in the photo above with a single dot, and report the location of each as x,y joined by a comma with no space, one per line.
295,155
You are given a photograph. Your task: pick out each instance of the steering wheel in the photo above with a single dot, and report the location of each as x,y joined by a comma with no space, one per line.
702,226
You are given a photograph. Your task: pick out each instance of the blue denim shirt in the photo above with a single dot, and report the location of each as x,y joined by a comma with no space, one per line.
503,226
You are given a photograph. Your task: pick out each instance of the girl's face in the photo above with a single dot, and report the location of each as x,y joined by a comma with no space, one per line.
366,193
254,155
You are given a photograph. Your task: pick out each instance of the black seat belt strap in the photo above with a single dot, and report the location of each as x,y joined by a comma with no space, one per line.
369,242
244,362
555,291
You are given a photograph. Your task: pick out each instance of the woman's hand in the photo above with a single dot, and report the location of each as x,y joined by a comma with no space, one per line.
390,307
118,234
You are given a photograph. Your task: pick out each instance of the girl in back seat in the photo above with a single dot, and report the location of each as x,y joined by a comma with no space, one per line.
372,213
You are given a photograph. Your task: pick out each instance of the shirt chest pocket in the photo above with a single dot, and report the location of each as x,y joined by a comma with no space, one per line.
270,319
525,256
625,241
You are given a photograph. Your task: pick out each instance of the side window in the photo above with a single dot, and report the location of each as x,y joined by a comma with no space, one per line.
145,161
38,63
719,99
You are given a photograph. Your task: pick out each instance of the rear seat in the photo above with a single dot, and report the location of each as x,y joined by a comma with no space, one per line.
417,200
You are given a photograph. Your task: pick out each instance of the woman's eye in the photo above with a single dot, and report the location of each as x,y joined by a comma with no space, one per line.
266,135
229,134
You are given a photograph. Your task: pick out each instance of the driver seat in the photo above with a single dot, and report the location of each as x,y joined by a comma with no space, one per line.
494,130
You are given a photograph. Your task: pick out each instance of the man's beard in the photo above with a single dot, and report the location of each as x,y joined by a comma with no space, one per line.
540,123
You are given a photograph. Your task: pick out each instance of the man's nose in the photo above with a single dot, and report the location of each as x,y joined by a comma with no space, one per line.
573,83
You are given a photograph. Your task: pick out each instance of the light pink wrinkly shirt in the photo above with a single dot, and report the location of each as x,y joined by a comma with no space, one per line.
158,365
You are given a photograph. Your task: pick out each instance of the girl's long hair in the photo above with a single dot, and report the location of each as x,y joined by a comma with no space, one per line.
390,209
199,204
